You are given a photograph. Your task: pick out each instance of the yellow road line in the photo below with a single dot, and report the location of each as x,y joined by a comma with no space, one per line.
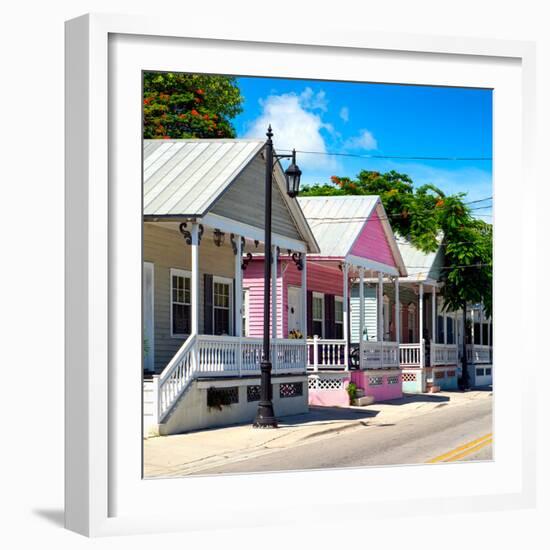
451,455
471,450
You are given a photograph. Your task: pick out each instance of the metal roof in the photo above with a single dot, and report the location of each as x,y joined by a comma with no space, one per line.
184,177
337,220
420,265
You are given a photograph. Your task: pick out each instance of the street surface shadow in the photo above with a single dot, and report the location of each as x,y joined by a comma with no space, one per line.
418,398
326,414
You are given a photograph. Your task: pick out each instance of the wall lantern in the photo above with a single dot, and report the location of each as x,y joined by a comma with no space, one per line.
219,237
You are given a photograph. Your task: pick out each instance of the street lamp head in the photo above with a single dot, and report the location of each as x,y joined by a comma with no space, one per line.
292,176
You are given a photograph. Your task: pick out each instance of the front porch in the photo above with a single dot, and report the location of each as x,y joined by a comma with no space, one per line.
201,228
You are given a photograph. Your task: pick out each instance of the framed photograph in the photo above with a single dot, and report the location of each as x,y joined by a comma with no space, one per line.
285,256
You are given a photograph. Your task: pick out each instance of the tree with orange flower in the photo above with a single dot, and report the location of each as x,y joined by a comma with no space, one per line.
179,105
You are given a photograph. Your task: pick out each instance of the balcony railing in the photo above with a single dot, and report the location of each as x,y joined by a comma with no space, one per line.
409,355
443,354
326,354
205,355
376,355
477,354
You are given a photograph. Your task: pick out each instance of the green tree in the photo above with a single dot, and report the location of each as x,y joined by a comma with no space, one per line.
428,218
177,105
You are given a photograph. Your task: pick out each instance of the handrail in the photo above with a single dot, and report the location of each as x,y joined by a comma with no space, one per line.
221,355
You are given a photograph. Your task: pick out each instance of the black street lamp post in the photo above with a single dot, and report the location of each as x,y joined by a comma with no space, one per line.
265,417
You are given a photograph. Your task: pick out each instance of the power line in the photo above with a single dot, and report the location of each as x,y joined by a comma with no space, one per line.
480,200
397,157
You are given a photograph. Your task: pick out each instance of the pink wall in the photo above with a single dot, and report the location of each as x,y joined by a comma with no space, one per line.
320,278
327,279
253,280
372,242
383,392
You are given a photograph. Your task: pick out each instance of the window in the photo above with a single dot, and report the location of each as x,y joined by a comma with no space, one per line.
386,313
338,318
318,307
450,330
180,312
485,334
477,333
244,314
411,323
222,306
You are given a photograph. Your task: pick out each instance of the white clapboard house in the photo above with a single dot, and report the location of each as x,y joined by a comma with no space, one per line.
203,214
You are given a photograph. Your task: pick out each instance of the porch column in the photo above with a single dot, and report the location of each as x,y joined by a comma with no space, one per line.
434,315
444,327
195,283
421,322
238,288
397,313
456,337
380,309
345,315
304,295
274,262
361,307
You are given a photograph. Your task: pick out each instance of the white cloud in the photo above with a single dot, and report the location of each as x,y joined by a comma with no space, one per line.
313,101
344,114
365,140
296,126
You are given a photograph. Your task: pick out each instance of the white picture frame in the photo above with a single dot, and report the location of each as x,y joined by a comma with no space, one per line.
105,493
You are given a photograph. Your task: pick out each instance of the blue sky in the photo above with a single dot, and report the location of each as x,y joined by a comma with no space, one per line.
376,119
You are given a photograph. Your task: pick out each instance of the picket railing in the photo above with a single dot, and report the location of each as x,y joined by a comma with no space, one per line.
375,355
443,354
205,355
326,354
477,354
409,355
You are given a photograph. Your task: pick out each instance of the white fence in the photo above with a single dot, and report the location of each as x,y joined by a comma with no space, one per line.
327,380
207,355
479,354
326,354
376,355
409,355
443,354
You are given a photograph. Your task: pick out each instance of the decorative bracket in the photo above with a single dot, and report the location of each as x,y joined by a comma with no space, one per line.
185,232
246,261
233,243
298,260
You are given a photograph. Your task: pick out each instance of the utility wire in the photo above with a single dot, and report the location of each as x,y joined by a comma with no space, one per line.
398,157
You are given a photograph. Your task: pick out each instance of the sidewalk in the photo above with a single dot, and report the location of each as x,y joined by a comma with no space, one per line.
179,455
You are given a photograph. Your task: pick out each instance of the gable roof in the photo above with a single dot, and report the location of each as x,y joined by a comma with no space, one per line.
185,178
421,266
338,220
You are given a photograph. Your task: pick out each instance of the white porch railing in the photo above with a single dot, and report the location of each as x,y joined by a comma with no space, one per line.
326,354
376,355
477,353
205,355
409,355
443,354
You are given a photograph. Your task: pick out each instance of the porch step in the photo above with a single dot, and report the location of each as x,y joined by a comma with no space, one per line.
364,401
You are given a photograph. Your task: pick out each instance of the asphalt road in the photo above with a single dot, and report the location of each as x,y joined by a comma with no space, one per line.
457,433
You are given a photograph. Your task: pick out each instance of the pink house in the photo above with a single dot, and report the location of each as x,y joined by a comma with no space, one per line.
356,243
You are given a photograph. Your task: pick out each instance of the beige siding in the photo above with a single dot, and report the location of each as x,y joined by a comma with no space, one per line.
244,202
166,249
